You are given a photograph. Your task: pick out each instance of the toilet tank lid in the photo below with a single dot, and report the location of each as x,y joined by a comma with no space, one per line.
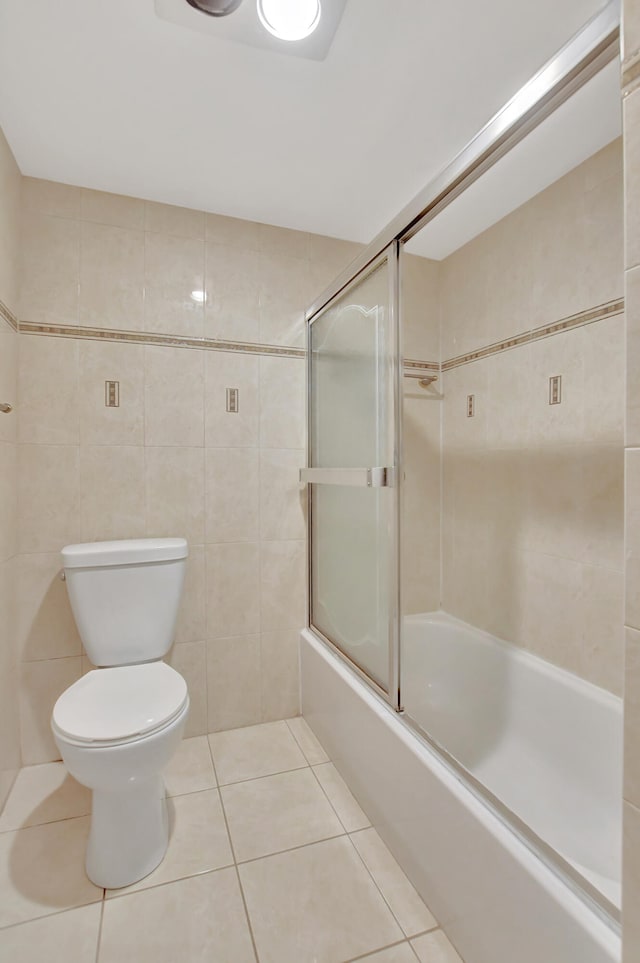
128,551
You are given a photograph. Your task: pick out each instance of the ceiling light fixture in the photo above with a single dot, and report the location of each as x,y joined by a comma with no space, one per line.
289,19
215,8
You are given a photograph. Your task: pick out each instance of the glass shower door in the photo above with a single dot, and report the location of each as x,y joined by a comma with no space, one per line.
353,504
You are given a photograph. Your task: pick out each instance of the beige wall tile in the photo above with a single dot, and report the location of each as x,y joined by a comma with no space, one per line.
233,317
420,308
10,759
104,361
174,395
112,495
632,537
174,482
8,500
232,232
111,277
632,314
601,656
631,884
50,197
46,627
232,486
48,497
285,293
282,241
174,270
191,625
630,28
41,683
9,381
282,497
631,121
115,209
190,660
225,429
10,219
604,395
280,674
282,585
282,387
233,589
48,388
49,269
177,221
632,716
234,682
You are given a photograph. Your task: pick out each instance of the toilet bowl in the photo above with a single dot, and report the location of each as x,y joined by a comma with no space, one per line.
118,726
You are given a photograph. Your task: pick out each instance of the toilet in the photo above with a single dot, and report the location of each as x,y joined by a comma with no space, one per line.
119,725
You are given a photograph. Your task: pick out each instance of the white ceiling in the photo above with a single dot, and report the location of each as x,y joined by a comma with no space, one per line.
109,96
586,123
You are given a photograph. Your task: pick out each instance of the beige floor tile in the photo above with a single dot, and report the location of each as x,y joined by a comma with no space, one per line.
435,948
255,751
42,794
317,904
278,812
408,908
198,843
42,871
341,798
402,953
306,739
198,920
191,769
76,930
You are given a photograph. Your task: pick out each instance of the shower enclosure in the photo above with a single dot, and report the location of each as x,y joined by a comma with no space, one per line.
479,727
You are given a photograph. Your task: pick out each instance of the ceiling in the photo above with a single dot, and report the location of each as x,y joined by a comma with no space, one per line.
583,125
109,96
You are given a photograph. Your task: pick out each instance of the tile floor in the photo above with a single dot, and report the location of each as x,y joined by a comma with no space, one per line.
271,860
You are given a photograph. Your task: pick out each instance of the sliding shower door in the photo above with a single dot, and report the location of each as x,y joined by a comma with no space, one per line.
353,446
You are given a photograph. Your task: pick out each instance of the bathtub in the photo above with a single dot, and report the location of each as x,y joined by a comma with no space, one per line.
546,744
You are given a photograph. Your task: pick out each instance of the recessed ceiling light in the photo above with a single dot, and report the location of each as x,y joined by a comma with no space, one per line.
215,8
289,19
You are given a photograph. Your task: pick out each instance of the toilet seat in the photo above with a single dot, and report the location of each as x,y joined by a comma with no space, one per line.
120,704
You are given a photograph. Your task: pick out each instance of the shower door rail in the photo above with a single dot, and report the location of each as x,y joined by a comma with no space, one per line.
353,414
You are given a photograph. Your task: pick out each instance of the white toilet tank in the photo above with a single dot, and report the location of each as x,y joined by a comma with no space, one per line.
125,596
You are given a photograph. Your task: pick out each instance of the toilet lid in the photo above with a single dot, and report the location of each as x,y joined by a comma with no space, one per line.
119,703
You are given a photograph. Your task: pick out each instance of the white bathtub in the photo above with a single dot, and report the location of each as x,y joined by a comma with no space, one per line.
538,736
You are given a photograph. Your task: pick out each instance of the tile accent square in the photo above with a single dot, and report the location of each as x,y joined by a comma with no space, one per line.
317,904
278,812
200,920
263,750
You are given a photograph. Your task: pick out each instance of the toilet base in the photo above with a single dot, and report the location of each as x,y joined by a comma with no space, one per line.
129,834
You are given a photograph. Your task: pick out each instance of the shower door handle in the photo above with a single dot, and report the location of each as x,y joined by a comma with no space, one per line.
379,477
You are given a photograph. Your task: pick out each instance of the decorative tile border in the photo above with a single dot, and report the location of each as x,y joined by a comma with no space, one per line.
413,365
8,316
598,313
168,340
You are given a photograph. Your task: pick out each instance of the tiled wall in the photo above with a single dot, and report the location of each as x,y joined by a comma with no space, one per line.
533,493
631,846
421,440
9,246
170,460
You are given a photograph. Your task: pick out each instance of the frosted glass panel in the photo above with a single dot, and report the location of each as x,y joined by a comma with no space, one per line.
352,426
